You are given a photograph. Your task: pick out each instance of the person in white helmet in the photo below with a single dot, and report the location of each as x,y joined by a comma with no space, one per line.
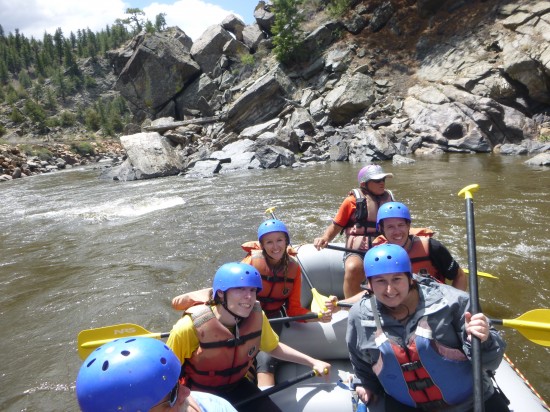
356,217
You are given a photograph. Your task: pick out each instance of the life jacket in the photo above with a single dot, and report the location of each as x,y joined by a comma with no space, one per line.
361,227
276,288
419,253
425,374
222,358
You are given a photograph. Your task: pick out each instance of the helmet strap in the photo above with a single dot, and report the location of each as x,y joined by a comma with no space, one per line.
224,305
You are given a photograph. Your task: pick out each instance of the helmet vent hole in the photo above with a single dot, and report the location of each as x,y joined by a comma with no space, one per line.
376,259
91,362
389,257
105,366
130,340
125,353
163,361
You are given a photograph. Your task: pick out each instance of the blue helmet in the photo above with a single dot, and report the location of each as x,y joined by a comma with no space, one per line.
272,225
127,374
386,258
392,209
236,275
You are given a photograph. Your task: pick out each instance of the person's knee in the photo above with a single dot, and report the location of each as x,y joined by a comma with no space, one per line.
354,269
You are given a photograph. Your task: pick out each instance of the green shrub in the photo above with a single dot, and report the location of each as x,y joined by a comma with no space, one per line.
83,148
67,119
16,116
2,131
337,8
41,152
247,59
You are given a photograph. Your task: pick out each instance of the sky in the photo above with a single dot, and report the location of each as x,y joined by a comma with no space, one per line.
34,17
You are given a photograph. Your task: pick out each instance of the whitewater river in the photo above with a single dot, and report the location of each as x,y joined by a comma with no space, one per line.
79,253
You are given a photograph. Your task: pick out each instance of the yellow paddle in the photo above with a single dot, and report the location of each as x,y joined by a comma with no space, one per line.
534,325
482,274
90,339
318,302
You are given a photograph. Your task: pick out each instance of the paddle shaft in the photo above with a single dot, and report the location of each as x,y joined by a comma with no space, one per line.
294,318
474,299
277,388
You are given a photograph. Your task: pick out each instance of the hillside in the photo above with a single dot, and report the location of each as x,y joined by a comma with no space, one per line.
398,44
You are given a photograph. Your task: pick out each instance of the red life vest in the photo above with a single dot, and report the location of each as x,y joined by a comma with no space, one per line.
222,359
276,288
425,373
361,227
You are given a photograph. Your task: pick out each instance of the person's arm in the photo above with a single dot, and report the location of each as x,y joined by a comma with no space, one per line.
330,233
185,301
183,339
492,344
339,222
446,265
286,353
357,341
295,307
461,280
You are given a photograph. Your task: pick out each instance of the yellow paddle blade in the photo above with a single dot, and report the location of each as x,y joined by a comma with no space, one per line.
534,325
90,339
482,274
318,302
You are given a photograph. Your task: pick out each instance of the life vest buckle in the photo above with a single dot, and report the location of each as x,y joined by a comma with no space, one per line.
411,366
420,384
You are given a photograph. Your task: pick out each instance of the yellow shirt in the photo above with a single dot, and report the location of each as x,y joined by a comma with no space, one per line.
183,339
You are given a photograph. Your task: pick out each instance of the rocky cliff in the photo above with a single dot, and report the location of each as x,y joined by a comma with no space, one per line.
388,79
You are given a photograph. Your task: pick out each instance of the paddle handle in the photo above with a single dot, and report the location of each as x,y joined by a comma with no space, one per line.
307,316
277,388
345,249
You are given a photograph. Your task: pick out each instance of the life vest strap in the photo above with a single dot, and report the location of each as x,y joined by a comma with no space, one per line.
277,279
225,372
433,405
231,343
270,300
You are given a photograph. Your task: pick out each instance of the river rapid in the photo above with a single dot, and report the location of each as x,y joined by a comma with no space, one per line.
79,253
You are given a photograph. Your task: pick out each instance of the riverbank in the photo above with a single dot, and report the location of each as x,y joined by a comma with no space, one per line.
25,159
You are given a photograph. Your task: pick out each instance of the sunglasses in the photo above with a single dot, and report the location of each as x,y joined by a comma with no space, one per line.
378,180
172,397
174,394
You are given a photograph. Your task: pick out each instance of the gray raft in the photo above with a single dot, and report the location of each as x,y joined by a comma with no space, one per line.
327,341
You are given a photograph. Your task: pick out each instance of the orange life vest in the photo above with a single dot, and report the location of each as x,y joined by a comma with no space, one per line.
276,287
222,358
361,228
419,253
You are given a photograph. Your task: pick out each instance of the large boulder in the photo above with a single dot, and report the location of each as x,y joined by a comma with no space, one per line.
150,155
350,98
146,83
208,48
261,102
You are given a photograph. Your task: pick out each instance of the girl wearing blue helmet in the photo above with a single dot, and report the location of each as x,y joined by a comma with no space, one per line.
217,342
409,340
273,258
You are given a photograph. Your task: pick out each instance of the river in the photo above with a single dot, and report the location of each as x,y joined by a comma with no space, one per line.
79,253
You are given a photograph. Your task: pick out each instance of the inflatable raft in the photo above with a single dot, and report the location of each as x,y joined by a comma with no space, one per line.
327,341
